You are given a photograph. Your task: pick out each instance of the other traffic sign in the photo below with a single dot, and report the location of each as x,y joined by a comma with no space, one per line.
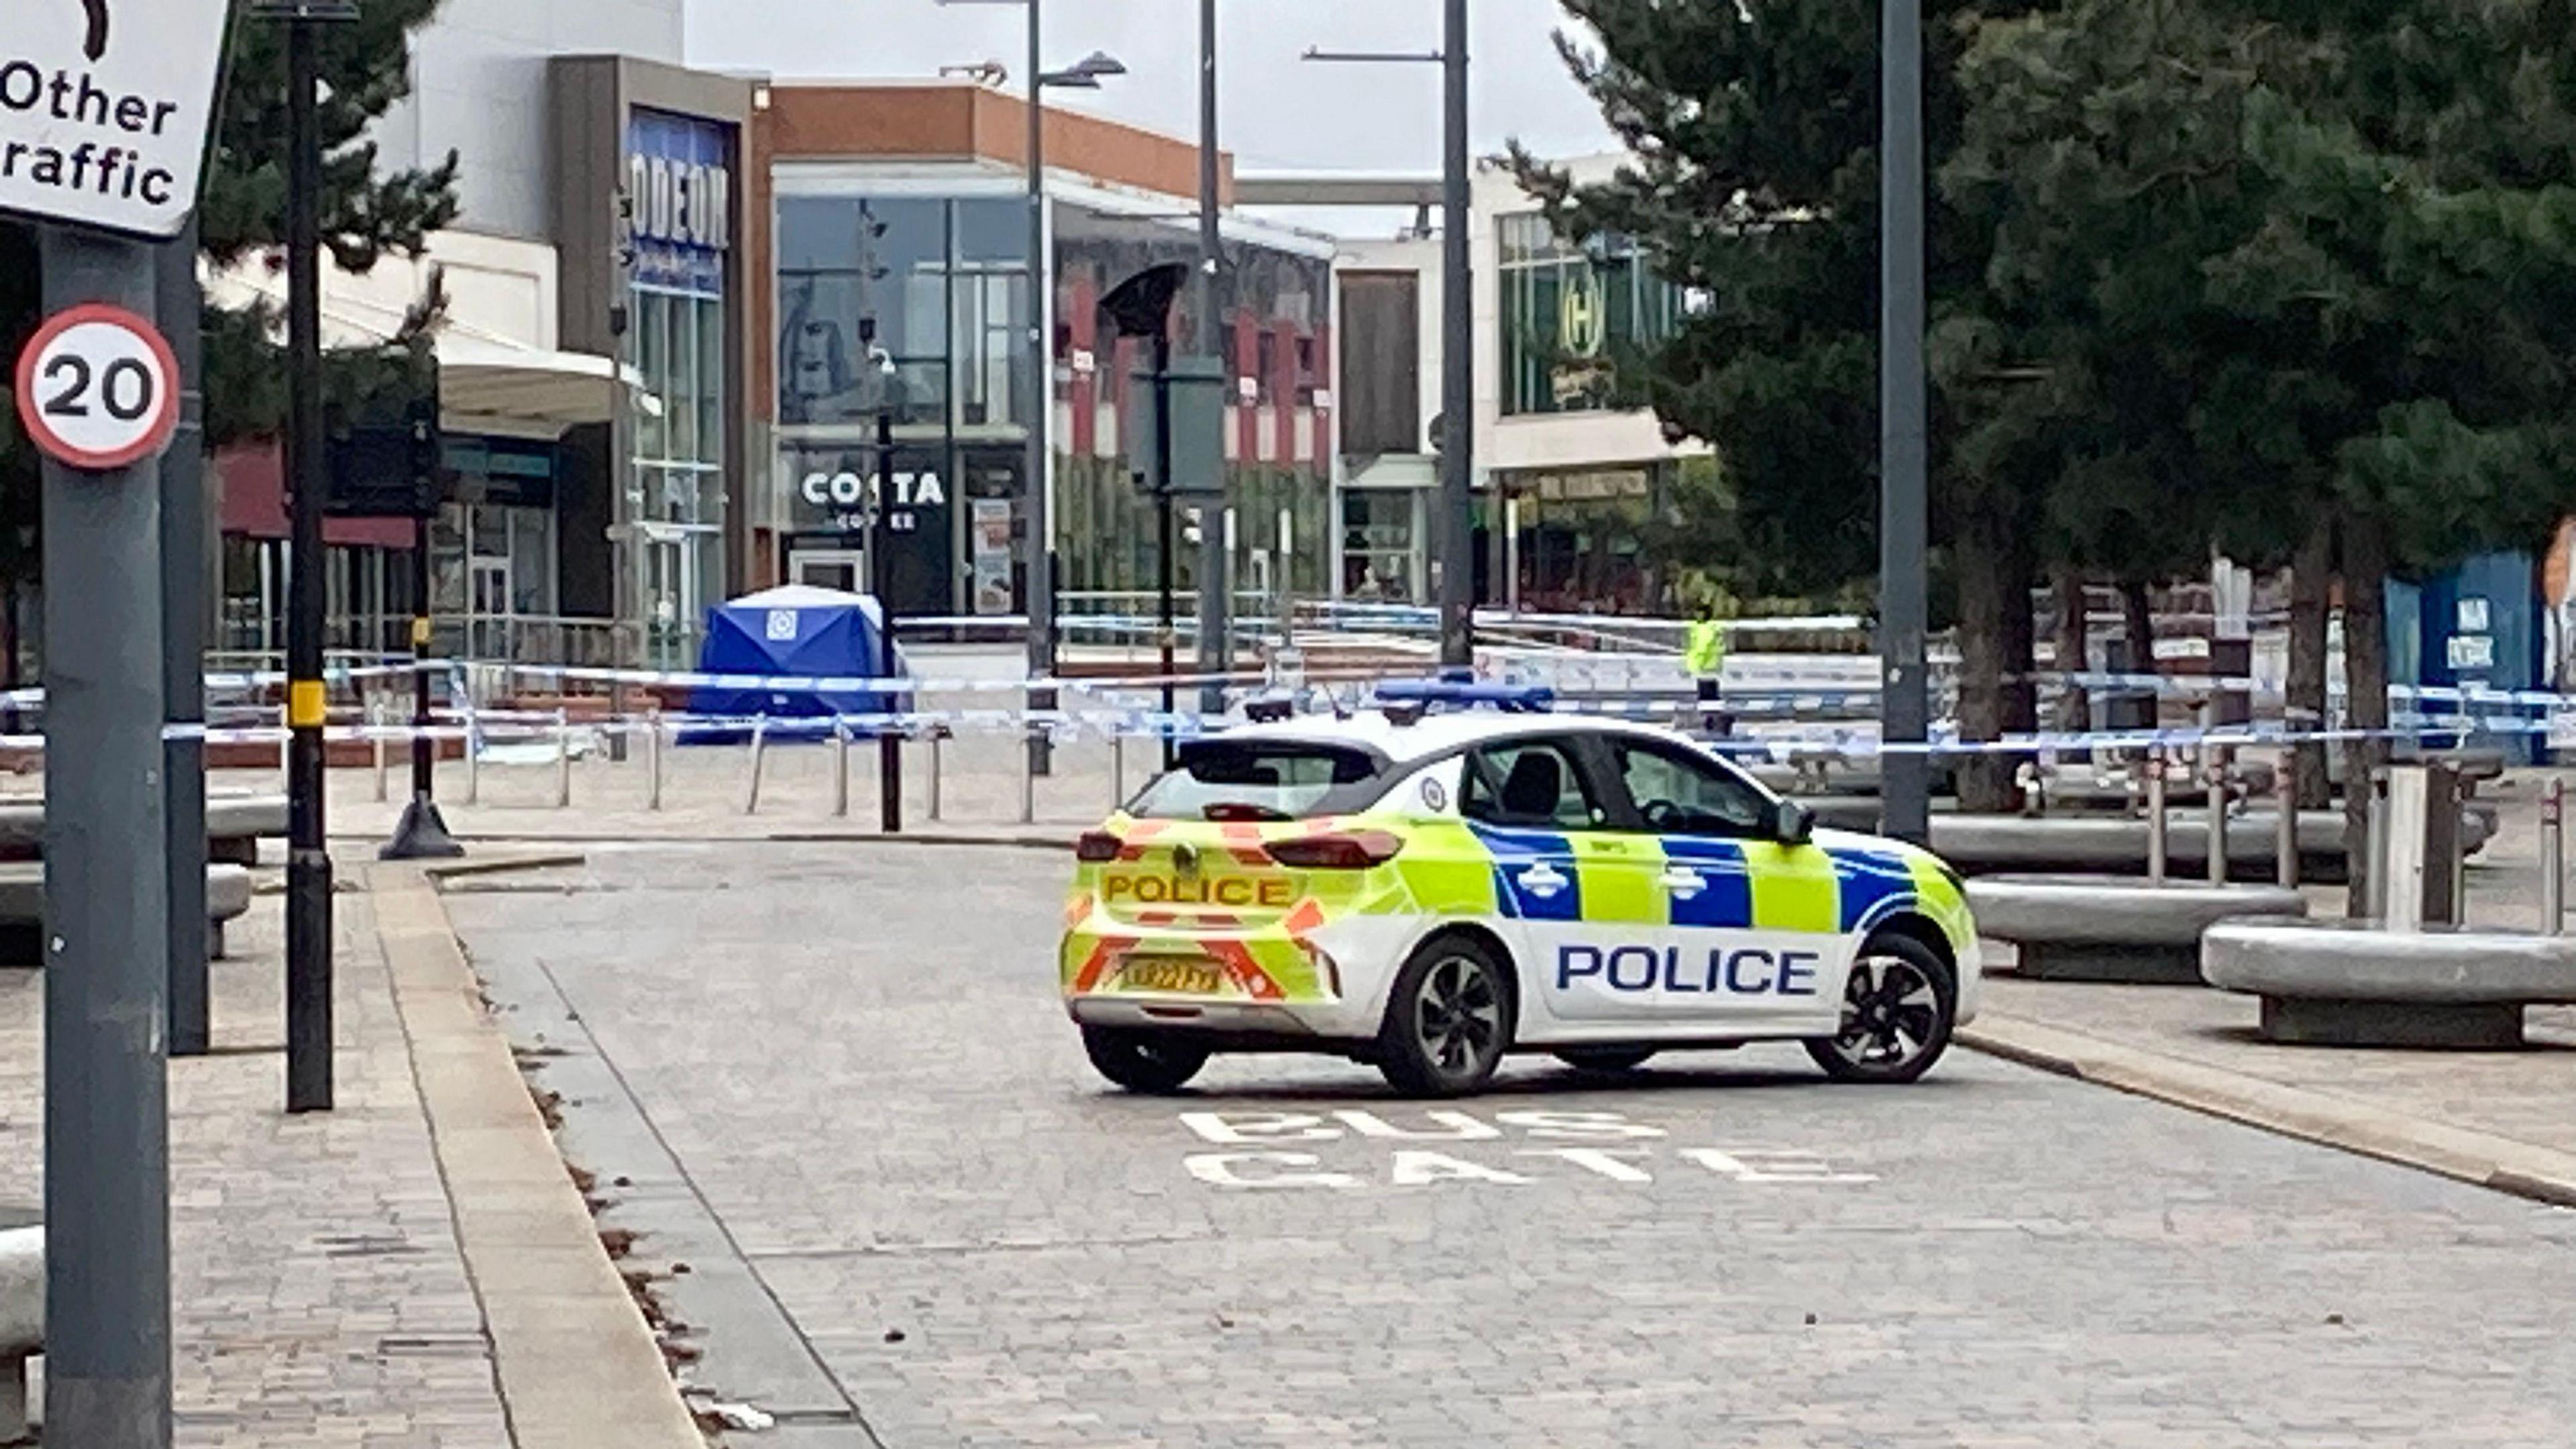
98,387
104,106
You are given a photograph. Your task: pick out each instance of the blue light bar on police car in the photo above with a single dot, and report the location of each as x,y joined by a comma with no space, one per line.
1468,694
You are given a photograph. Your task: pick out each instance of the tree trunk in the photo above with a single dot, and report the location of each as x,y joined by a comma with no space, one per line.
2138,621
2311,573
2075,704
2365,674
1995,644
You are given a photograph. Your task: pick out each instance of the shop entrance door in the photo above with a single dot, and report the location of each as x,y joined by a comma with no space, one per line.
488,608
670,601
845,569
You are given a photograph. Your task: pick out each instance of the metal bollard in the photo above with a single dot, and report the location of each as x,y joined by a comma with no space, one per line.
2285,828
2217,815
1117,768
936,735
563,758
653,758
2155,818
2553,858
375,735
840,768
1029,780
759,748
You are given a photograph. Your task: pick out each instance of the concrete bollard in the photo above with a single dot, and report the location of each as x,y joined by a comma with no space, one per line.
653,758
563,759
2155,817
759,748
2553,858
840,769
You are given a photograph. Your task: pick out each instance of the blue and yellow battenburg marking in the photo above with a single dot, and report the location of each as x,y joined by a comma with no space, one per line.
1256,920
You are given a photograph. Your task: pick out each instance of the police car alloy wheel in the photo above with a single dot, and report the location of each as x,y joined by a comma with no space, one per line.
1448,1021
1898,1007
1142,1061
1606,1059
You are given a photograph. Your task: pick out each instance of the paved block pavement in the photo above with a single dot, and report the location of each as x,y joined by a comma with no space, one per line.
319,1297
834,1081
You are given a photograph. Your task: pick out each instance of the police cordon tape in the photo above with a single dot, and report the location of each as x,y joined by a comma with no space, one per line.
526,726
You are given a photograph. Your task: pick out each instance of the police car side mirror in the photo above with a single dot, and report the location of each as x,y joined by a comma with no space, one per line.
1791,822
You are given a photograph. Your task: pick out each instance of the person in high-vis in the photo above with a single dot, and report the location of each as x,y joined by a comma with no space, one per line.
1704,658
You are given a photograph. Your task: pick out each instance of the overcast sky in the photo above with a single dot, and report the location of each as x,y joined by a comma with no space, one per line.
1277,112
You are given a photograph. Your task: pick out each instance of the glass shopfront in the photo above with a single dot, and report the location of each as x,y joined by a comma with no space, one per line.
673,508
1568,311
908,309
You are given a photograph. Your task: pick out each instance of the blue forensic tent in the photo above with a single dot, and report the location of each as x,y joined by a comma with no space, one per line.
794,631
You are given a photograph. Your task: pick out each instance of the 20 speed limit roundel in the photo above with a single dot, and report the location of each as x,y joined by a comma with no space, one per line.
98,387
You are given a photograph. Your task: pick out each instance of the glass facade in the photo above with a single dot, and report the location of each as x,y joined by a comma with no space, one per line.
919,308
913,308
1568,311
673,509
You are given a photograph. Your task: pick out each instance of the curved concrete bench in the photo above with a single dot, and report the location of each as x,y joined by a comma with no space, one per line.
1986,844
22,1320
235,824
2349,983
2114,928
22,909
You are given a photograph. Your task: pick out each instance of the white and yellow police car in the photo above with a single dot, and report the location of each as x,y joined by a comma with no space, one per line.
1428,887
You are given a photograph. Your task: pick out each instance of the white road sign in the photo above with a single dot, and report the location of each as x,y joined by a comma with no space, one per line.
98,388
104,106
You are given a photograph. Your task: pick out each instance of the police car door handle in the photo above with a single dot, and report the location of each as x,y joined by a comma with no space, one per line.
1542,880
1684,883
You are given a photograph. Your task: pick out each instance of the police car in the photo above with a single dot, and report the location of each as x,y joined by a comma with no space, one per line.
1427,888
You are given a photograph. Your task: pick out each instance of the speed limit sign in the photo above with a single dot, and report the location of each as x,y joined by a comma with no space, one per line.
98,388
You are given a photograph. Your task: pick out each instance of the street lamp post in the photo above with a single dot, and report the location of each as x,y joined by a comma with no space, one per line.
1037,503
1453,530
1904,701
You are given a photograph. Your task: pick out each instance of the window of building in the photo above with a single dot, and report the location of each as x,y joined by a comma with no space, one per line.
1568,311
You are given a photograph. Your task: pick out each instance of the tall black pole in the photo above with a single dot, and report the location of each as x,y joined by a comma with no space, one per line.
889,742
107,1158
183,646
1904,705
1453,537
421,834
1163,522
1036,516
308,858
1216,646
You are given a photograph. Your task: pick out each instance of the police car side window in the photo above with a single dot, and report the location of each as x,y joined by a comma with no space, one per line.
1533,784
1678,795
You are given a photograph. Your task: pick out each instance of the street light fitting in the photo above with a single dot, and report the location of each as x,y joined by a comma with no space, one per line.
1372,57
1086,73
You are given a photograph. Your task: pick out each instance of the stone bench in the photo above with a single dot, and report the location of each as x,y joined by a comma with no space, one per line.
22,1319
235,825
2349,983
22,908
2114,928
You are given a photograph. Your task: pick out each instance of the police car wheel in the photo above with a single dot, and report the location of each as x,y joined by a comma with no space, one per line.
1142,1061
1448,1021
1605,1059
1898,1007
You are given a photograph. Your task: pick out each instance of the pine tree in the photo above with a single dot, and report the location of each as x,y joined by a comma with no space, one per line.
365,67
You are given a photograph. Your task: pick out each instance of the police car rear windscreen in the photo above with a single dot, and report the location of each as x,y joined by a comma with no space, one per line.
1264,780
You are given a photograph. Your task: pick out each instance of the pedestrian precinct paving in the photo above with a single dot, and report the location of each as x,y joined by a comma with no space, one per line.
319,1298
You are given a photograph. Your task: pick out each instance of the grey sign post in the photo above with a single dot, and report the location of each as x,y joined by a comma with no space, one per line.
102,145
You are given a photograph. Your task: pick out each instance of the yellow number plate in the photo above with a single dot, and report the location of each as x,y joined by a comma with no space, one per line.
1180,976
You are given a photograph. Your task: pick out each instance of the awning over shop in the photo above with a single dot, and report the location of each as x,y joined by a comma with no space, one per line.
525,392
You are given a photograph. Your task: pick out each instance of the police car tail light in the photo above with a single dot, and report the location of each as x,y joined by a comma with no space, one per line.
1342,850
1095,846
